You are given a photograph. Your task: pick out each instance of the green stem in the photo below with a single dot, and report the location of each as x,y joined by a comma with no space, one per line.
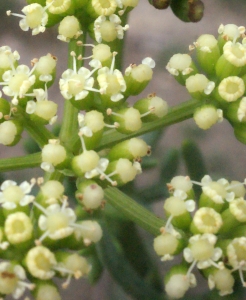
176,114
21,162
134,211
69,127
39,133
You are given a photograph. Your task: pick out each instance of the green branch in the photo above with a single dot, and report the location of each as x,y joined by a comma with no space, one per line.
21,162
134,211
176,114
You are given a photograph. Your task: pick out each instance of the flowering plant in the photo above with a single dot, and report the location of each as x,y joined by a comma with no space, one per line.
80,217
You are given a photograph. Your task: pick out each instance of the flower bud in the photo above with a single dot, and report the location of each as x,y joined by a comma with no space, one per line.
42,112
168,244
208,52
45,70
208,115
54,155
69,28
134,148
199,86
222,280
102,53
177,282
89,194
137,77
176,208
129,120
85,162
89,232
156,106
181,67
229,32
46,290
10,132
123,170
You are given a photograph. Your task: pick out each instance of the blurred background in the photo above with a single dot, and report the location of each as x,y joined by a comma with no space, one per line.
158,34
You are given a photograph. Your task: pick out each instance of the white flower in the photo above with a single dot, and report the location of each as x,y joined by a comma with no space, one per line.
111,82
40,262
12,280
7,57
216,190
56,221
13,195
109,30
35,17
77,84
17,82
201,252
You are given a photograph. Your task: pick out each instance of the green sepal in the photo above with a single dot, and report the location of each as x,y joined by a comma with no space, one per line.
205,201
83,104
134,87
231,112
108,103
177,269
208,60
225,69
240,132
79,3
188,11
4,109
94,140
182,222
229,222
53,19
181,78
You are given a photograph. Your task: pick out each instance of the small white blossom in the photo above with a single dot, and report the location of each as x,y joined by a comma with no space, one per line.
17,82
35,18
13,195
13,280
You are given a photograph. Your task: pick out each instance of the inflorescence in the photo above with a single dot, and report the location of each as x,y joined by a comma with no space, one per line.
42,236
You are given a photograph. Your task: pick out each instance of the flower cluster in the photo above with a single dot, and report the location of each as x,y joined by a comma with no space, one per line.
221,89
42,237
212,238
32,232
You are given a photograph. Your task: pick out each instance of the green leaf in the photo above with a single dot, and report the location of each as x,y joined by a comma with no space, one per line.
120,269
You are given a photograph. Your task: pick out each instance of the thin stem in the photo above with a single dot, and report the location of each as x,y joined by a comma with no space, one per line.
21,162
69,126
134,211
39,133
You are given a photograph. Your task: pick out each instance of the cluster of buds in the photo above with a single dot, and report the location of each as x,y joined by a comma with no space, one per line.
221,89
41,237
209,234
32,232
